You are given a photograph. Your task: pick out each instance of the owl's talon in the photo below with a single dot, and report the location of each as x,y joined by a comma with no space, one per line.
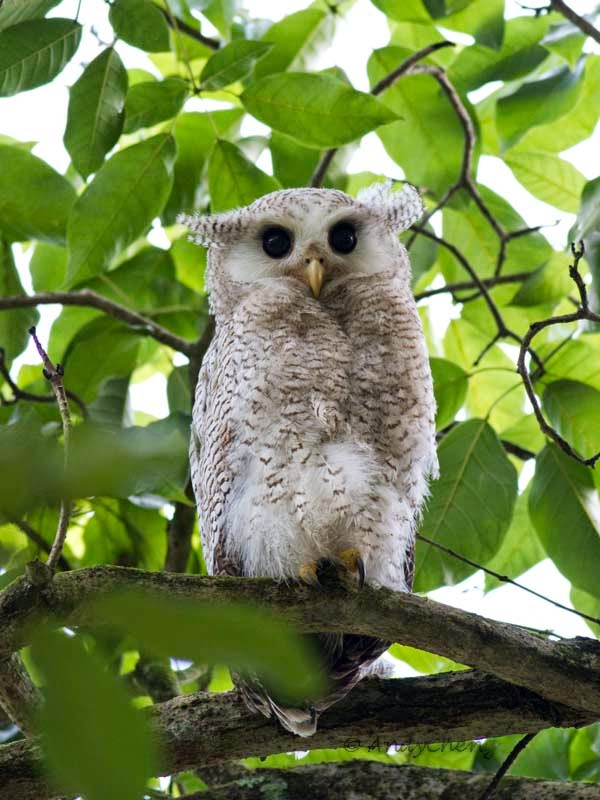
351,561
309,574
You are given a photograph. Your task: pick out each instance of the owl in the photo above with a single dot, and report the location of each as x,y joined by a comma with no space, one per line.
313,433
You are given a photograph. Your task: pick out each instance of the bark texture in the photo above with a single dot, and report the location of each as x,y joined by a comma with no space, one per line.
206,730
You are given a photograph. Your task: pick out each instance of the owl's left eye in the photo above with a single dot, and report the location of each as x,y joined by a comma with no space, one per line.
276,242
342,237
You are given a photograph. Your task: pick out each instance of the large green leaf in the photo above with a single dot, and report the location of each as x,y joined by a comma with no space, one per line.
564,508
233,180
111,754
549,283
470,507
35,201
14,325
128,191
579,121
520,54
151,102
414,142
13,11
549,178
587,229
141,24
406,11
237,635
450,384
95,117
573,410
288,37
317,109
483,21
520,549
103,348
219,12
576,360
47,267
537,102
232,63
35,51
195,134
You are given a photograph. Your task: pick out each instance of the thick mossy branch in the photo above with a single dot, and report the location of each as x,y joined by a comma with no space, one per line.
208,729
566,671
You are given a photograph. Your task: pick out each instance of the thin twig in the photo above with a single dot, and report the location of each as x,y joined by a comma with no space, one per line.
38,540
582,313
178,24
506,579
20,394
451,288
91,299
580,22
490,790
54,374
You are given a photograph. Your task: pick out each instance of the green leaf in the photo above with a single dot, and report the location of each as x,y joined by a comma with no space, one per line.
414,142
34,52
14,325
525,433
179,392
587,604
232,63
288,37
576,360
112,754
563,499
587,228
566,40
47,267
537,102
406,11
154,101
422,661
450,384
35,201
110,408
485,22
520,54
577,124
233,180
550,283
128,191
190,263
220,13
141,24
102,348
14,11
237,635
195,135
470,507
316,109
520,549
293,163
95,116
573,410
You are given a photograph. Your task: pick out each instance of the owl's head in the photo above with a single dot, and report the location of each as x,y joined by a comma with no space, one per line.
313,236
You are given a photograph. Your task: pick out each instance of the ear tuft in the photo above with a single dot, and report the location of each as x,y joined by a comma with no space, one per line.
398,209
200,226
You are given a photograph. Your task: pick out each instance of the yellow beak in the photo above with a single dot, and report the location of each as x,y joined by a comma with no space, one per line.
315,273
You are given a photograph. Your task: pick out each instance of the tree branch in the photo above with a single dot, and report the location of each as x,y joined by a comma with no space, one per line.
90,299
179,25
583,313
370,780
580,22
19,696
202,729
566,671
451,288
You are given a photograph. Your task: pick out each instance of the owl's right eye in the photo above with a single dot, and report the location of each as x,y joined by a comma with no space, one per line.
276,242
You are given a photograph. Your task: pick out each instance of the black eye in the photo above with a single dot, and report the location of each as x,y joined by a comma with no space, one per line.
342,237
276,242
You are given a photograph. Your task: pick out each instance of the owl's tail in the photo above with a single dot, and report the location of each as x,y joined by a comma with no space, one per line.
346,657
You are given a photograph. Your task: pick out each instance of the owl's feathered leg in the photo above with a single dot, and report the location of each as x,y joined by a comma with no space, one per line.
352,563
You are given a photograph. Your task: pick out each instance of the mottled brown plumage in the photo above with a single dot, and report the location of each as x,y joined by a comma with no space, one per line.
313,429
